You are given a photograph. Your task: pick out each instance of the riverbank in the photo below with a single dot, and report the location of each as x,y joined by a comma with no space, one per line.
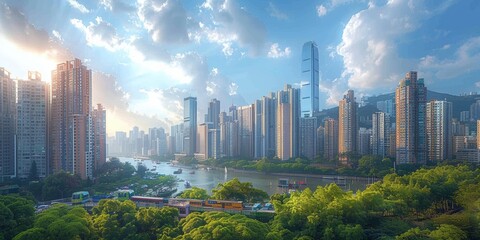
310,175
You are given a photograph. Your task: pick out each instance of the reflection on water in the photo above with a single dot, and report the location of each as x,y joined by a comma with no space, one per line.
209,179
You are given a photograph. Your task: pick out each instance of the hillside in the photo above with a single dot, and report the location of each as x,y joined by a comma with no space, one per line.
460,103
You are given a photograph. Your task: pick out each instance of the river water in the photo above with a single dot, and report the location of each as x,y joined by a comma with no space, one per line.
209,179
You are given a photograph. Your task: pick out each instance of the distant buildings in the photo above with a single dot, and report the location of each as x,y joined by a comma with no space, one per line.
410,100
330,149
99,119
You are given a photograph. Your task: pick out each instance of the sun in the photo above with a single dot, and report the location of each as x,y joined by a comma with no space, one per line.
19,61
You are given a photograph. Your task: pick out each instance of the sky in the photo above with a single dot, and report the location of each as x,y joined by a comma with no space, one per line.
147,55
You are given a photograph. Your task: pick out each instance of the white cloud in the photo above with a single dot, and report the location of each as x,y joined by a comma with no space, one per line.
277,52
80,7
99,34
117,6
465,60
57,35
166,21
275,12
369,43
232,23
227,48
321,10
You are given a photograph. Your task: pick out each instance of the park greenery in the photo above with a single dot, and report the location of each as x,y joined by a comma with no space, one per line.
431,203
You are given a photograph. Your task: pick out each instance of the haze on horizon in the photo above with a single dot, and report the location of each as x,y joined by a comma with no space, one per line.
150,54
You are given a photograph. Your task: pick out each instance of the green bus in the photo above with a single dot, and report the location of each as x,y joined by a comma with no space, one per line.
124,194
80,197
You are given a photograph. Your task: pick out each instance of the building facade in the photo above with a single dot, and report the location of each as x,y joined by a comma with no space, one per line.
287,119
330,147
31,128
189,125
99,115
70,133
411,138
439,132
310,80
380,133
347,127
308,137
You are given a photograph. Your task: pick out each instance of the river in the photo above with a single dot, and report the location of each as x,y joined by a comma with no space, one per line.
209,179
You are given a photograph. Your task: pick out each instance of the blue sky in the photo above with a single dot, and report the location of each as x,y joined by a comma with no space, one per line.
149,54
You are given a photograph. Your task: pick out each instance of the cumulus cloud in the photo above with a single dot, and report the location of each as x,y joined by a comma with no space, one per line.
99,34
117,6
329,6
277,52
321,10
80,7
275,12
369,48
465,60
166,21
232,23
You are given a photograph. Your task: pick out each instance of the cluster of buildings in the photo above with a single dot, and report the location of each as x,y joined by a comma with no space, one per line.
51,126
287,124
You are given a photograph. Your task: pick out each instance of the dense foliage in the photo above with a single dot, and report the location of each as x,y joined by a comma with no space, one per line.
438,203
195,193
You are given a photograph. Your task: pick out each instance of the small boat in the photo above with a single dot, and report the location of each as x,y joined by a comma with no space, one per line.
187,184
178,171
192,172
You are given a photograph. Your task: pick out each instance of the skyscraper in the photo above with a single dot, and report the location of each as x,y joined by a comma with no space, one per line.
310,80
411,139
288,117
7,125
330,139
347,127
265,113
380,133
439,131
189,125
71,138
32,115
213,112
246,120
99,116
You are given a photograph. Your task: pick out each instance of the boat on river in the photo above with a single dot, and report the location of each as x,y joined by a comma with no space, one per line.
187,184
177,171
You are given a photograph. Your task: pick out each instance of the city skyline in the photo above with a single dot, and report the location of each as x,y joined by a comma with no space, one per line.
143,68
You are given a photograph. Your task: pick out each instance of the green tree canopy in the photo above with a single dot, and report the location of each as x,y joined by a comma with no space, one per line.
195,193
238,191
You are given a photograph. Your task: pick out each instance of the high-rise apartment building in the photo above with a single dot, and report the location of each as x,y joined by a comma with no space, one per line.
189,125
70,132
31,128
308,137
364,141
229,138
310,80
99,116
330,139
320,141
347,127
380,133
7,125
265,114
177,132
439,132
246,115
213,112
411,139
288,118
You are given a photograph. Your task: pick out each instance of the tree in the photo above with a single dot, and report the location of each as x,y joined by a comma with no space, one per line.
448,232
238,191
219,225
60,185
195,193
141,170
414,234
16,215
33,174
